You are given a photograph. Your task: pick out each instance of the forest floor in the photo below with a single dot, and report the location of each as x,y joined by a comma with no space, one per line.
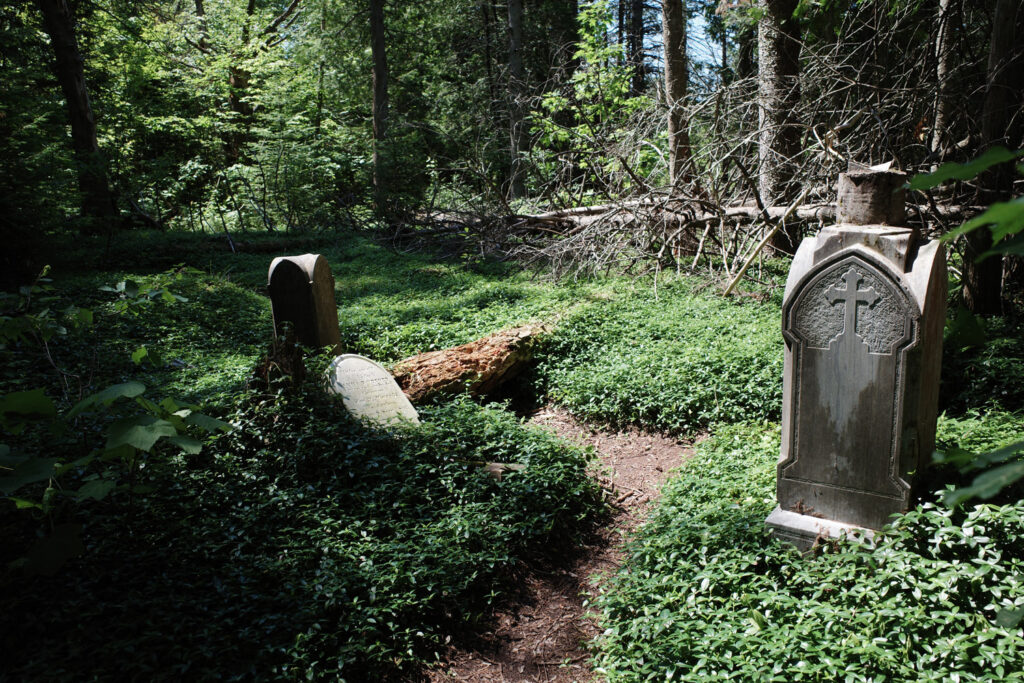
540,635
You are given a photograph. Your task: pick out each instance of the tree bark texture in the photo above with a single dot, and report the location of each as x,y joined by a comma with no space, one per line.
380,99
635,47
478,367
515,90
943,70
778,85
673,24
982,289
97,200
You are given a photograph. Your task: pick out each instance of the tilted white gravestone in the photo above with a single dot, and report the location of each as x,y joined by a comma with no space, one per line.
369,391
863,317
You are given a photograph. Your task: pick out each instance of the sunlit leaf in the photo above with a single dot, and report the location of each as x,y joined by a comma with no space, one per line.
954,171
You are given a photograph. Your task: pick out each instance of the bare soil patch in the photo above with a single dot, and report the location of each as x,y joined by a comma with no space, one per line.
541,635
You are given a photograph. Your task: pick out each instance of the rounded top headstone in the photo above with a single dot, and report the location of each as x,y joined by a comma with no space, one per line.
369,391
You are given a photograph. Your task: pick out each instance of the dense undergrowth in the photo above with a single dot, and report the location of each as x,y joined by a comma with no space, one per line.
305,545
301,546
706,595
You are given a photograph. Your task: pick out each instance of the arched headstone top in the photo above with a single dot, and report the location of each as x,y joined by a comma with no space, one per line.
302,294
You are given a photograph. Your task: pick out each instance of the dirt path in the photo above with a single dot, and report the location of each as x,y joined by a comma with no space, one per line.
541,636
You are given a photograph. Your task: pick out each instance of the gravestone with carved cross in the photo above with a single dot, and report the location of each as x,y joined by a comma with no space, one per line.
863,317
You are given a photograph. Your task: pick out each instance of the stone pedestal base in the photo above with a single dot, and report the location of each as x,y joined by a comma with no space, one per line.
803,530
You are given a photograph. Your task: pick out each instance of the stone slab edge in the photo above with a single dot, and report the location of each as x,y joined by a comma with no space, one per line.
803,530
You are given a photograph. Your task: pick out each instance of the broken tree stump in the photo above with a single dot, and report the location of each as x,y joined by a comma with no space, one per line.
478,367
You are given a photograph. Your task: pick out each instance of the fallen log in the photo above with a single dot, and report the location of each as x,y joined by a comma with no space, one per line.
478,367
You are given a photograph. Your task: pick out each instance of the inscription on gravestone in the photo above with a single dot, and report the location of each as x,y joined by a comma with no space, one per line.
369,391
302,294
862,318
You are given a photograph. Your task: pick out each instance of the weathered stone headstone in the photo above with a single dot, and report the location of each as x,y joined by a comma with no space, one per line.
302,294
863,317
369,391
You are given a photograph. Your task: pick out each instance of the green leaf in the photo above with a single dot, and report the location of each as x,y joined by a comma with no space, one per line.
97,489
23,504
49,554
28,471
108,396
187,444
1007,217
987,484
1009,618
210,424
1013,246
965,330
139,354
84,316
25,404
140,432
954,171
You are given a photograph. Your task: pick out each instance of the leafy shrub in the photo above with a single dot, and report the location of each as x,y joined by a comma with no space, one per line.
706,595
677,364
300,546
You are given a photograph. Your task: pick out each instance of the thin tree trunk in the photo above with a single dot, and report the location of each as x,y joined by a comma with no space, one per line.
982,290
673,23
238,86
515,86
636,47
380,101
778,82
97,201
943,69
745,58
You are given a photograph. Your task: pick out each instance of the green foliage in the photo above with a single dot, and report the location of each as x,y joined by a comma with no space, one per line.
677,363
706,595
304,545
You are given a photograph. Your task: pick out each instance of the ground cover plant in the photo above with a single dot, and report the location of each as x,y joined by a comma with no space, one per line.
300,546
706,595
678,362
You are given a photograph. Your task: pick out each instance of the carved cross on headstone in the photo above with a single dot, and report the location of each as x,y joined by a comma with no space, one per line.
851,296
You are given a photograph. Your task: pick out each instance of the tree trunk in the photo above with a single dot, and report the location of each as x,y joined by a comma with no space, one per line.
982,290
238,85
380,101
97,201
778,84
636,47
515,85
943,70
673,23
745,48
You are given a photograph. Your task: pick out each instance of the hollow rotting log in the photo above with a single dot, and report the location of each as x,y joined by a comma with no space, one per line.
479,367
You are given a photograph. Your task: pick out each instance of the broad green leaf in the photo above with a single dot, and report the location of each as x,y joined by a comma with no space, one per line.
129,287
139,354
28,471
1009,618
1007,217
97,489
28,403
140,432
954,171
108,395
987,484
187,444
210,424
49,554
965,330
1000,454
1013,246
84,316
23,504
